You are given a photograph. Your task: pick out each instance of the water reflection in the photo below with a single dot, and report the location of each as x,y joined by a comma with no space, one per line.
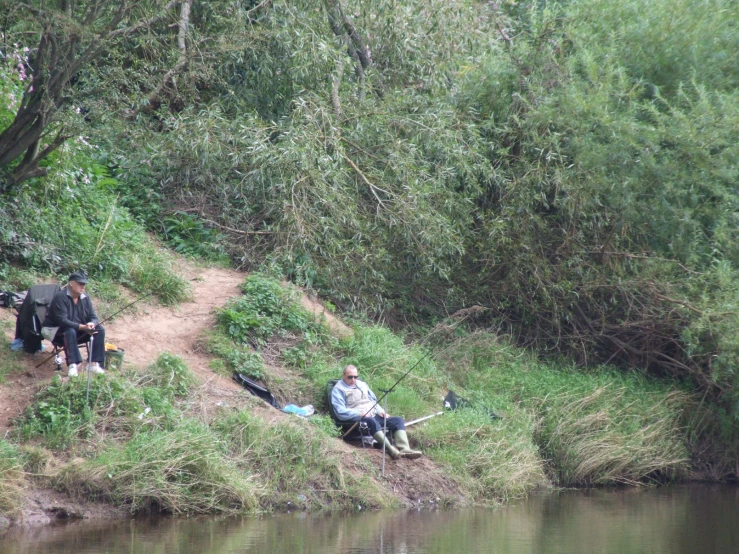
679,520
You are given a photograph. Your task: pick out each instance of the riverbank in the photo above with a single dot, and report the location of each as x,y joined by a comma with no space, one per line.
172,432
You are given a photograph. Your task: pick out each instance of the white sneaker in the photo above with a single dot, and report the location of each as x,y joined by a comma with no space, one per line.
96,369
72,370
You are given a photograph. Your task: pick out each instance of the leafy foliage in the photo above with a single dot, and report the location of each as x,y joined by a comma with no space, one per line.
265,309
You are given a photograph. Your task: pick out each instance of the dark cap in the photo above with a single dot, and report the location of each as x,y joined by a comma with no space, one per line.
78,276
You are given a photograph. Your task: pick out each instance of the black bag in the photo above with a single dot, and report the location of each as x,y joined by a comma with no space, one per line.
32,312
256,389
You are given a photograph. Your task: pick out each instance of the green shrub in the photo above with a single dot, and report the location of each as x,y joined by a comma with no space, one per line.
189,235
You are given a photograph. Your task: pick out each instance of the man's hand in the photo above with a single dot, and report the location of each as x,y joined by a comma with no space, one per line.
89,327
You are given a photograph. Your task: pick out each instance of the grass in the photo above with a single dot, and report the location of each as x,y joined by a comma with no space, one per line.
182,471
298,464
12,478
598,427
10,361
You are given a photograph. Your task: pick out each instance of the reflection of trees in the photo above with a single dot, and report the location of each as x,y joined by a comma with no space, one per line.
677,520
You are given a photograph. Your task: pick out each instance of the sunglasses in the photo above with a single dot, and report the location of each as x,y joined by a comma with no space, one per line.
352,376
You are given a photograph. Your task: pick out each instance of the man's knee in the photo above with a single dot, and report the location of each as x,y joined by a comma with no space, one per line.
372,424
396,423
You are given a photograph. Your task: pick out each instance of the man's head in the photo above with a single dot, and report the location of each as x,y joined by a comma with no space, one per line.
76,284
350,375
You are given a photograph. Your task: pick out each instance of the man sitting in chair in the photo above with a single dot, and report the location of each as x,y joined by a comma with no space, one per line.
353,401
76,322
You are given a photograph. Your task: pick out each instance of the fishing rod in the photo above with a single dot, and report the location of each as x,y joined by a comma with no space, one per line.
139,299
420,419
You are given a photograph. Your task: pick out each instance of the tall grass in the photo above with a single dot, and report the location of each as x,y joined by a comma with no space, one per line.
184,470
496,460
607,436
12,479
598,427
298,464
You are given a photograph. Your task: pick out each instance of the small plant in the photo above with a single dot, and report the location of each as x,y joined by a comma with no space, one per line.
170,375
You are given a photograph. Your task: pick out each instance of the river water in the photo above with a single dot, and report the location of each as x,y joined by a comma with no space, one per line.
690,519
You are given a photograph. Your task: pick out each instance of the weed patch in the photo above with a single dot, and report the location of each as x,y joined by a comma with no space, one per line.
62,416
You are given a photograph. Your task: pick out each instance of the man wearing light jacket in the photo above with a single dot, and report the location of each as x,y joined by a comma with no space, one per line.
71,312
353,401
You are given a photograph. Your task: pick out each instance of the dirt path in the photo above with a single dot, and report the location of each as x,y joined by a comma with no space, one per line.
145,335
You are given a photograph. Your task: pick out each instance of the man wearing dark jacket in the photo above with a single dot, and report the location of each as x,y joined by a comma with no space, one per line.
72,313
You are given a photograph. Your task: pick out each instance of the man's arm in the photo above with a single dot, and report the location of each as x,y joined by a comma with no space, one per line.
338,401
92,315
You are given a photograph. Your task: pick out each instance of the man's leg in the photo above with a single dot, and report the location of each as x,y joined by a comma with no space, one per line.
71,348
396,424
375,426
98,346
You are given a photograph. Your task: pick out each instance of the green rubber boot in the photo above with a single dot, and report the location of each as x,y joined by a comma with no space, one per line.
380,437
401,441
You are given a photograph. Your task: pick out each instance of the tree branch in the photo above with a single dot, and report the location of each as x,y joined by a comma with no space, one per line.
183,25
